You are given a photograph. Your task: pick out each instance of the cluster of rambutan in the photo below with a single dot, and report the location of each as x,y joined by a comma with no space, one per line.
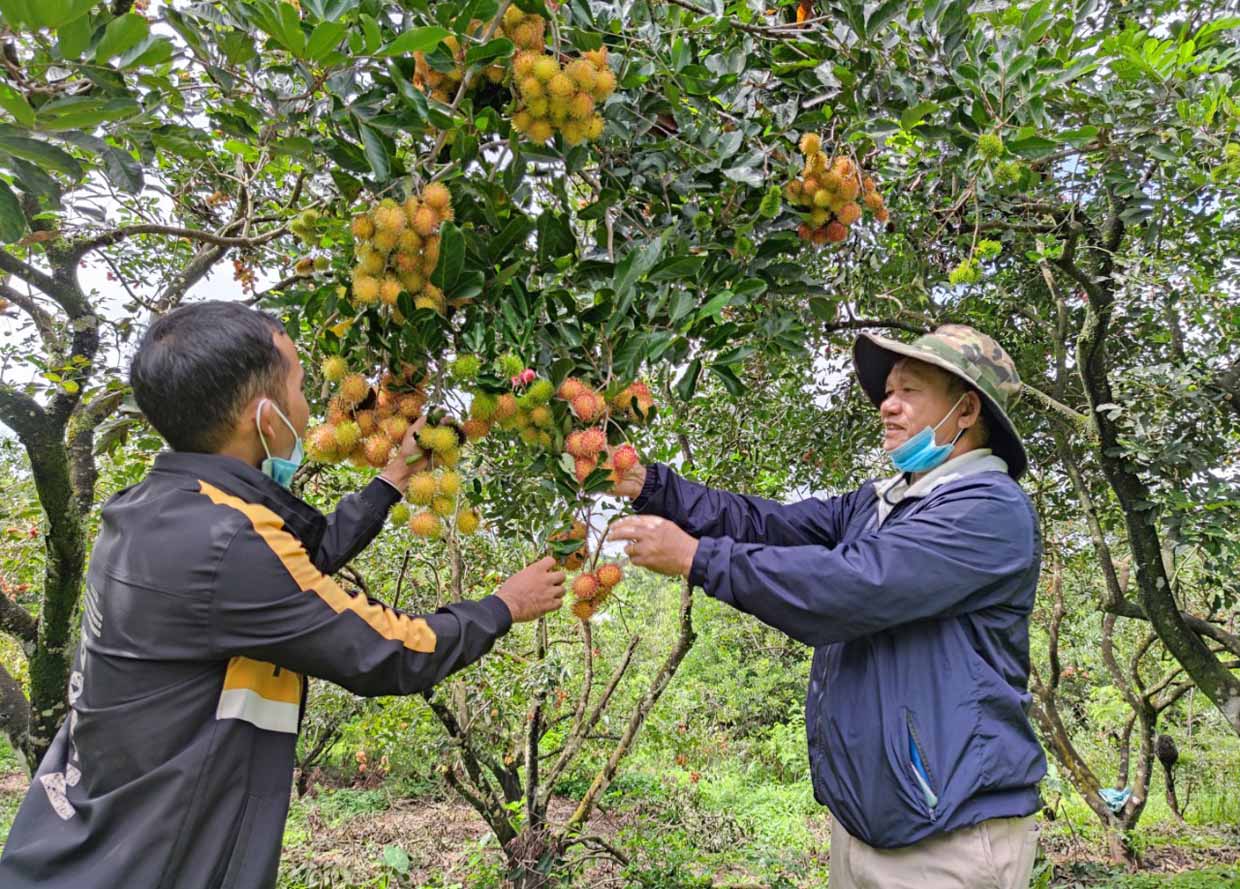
526,30
364,425
588,446
561,98
397,248
438,496
592,589
833,191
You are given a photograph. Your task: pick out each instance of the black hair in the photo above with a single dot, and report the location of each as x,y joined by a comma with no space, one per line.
200,364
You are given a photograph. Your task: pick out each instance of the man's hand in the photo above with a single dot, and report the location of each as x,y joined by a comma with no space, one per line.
630,484
533,591
656,544
409,459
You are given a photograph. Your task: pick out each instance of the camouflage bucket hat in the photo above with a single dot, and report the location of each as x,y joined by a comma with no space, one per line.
966,353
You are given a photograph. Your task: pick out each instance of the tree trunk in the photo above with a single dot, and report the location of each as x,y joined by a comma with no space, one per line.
1219,684
532,857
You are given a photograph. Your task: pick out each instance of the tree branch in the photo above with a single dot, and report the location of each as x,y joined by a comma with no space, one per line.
44,323
107,239
18,622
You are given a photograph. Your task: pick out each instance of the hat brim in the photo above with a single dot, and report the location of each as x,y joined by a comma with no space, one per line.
873,358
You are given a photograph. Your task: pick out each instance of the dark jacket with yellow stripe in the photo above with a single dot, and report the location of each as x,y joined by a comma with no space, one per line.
209,599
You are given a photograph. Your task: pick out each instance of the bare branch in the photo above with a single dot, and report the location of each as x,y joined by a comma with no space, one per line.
44,323
17,621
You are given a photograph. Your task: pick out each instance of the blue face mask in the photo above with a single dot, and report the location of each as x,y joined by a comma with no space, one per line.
920,453
279,469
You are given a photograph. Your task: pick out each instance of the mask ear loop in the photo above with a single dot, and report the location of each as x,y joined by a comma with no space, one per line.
258,422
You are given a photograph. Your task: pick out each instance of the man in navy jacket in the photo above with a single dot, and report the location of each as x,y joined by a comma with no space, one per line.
915,593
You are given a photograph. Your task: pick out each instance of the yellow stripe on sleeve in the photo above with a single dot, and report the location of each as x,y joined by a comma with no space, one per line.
412,632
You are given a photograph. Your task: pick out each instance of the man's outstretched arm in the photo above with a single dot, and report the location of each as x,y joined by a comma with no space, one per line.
707,512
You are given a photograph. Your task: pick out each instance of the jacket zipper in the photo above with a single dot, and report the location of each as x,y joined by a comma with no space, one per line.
922,774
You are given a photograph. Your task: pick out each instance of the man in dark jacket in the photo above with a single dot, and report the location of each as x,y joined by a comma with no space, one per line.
209,601
915,593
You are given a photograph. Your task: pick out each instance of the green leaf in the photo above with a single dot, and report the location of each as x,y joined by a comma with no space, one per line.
324,39
74,38
397,859
884,14
83,113
714,305
1032,146
120,34
730,380
44,13
376,153
41,152
451,256
415,40
294,37
12,221
911,117
15,104
500,48
635,265
687,384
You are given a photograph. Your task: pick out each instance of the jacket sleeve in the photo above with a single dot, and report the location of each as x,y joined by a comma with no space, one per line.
274,604
357,520
955,556
705,512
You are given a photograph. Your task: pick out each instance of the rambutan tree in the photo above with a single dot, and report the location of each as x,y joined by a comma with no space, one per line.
555,229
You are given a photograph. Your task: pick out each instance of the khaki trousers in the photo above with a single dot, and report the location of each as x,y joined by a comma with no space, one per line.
996,854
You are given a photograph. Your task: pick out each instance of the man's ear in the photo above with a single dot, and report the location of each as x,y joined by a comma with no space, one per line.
971,410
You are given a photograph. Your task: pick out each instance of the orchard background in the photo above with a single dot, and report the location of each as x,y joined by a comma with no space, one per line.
462,206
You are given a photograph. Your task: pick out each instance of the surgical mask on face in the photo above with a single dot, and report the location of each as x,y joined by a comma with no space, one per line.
920,453
279,469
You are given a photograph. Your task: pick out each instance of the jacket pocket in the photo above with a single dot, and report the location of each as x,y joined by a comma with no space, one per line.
241,846
919,766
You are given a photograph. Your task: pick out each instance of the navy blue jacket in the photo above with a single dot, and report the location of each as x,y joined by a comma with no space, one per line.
920,630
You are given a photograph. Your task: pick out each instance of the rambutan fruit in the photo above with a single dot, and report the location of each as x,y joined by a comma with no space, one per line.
529,435
819,236
792,190
608,575
540,131
624,458
399,514
881,214
809,185
873,200
541,416
385,241
583,609
573,132
811,143
484,406
594,128
389,290
844,167
370,261
467,521
522,120
406,263
422,488
390,219
818,217
347,435
366,421
836,231
527,35
443,506
426,221
523,65
541,390
426,524
366,289
447,459
321,444
538,107
849,213
476,430
505,406
557,109
545,68
804,232
437,196
561,86
430,254
335,369
596,57
337,411
531,88
822,198
437,438
604,84
513,16
583,74
385,403
585,407
580,107
410,405
571,388
450,484
833,181
585,587
363,227
395,428
353,389
582,467
378,449
592,442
